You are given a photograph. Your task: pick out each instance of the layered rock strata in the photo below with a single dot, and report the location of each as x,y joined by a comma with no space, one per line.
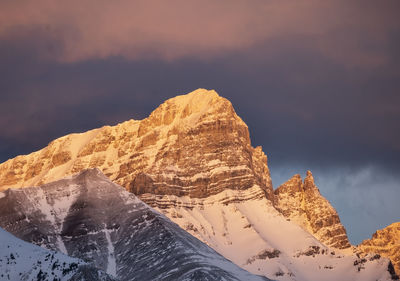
193,145
302,203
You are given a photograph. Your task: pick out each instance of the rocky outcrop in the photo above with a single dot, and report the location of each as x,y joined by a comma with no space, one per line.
385,242
302,203
193,145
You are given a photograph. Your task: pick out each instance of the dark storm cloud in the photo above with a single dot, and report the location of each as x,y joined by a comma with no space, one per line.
318,84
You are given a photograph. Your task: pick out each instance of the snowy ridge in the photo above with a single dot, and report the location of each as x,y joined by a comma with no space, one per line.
23,261
111,229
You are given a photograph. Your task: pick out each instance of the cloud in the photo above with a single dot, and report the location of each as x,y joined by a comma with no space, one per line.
366,198
205,29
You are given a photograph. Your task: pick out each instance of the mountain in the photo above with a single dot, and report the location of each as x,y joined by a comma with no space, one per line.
88,217
245,227
192,145
302,203
385,242
23,261
193,161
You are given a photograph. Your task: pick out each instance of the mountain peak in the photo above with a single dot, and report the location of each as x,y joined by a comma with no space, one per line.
293,185
197,99
89,175
302,203
193,144
309,182
200,105
201,92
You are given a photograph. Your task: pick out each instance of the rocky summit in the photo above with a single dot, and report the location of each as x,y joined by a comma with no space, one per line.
301,202
192,145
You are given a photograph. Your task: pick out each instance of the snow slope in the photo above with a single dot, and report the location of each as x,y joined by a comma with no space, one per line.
93,219
253,234
22,261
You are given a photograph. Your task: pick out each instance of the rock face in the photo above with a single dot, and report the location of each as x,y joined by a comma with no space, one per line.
385,242
89,217
302,203
193,145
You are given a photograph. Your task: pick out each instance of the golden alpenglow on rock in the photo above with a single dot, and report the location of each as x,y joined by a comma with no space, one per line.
192,145
302,203
385,242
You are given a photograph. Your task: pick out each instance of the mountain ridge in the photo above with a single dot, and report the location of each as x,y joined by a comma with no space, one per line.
194,153
159,142
91,218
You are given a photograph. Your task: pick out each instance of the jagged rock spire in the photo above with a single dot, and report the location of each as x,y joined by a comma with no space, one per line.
309,181
301,202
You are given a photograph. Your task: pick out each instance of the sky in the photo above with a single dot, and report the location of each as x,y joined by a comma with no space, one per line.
317,82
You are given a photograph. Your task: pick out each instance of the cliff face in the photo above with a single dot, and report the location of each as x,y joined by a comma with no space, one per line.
192,145
385,242
302,203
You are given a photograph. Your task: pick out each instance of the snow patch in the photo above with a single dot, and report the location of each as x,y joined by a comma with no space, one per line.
111,262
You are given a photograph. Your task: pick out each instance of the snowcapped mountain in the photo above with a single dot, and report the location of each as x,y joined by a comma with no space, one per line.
192,160
192,145
246,228
24,261
88,217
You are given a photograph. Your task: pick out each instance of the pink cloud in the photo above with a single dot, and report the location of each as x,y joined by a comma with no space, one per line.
176,29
